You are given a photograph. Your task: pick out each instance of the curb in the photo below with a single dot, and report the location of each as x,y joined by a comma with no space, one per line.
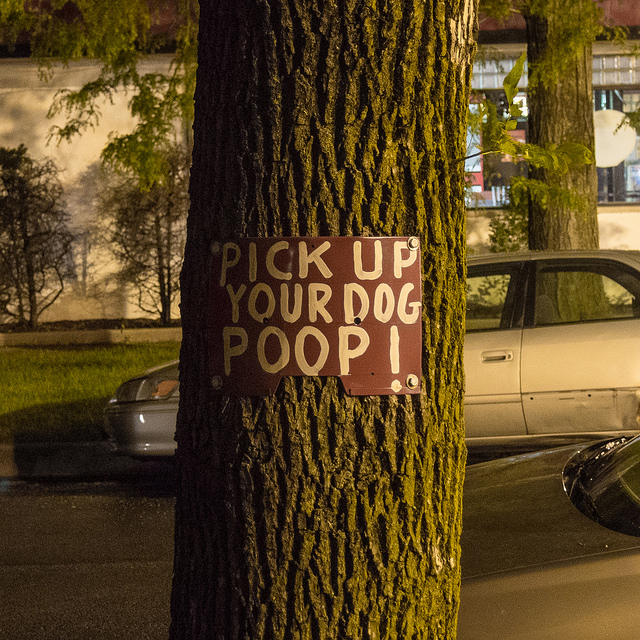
95,336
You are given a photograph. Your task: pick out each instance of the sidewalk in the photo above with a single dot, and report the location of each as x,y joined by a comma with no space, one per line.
87,460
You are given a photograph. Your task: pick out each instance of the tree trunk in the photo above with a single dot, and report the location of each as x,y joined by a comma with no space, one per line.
561,110
17,271
162,261
30,275
170,251
310,513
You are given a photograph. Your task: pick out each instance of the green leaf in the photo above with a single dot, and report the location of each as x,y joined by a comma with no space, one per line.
508,147
515,110
510,84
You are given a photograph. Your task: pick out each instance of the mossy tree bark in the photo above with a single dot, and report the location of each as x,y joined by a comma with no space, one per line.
312,514
560,97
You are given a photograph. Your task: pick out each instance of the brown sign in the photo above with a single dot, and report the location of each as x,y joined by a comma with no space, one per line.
334,306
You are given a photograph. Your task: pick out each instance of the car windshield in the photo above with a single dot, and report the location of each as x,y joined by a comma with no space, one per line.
603,482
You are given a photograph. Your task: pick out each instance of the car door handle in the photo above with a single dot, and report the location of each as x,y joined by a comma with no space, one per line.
497,356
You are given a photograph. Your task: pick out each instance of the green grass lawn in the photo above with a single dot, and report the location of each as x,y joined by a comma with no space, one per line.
58,394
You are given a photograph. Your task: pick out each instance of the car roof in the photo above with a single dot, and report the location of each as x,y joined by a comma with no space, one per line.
173,364
628,256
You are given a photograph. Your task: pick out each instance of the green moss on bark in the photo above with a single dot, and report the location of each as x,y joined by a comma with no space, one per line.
312,514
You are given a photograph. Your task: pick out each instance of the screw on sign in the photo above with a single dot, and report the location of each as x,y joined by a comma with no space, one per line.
336,306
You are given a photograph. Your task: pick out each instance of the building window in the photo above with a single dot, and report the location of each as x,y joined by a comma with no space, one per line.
620,183
616,81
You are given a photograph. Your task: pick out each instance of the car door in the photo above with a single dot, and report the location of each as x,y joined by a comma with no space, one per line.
581,347
493,405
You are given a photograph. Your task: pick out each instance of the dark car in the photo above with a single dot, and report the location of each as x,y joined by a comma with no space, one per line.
551,545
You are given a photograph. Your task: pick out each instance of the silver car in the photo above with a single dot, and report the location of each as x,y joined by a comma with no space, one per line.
552,346
552,354
141,416
551,545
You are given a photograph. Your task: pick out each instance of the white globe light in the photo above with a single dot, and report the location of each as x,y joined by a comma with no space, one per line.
613,144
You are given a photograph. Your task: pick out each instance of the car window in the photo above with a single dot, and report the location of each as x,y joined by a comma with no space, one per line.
486,301
584,294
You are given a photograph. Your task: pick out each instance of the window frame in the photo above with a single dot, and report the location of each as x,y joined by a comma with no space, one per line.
601,266
513,309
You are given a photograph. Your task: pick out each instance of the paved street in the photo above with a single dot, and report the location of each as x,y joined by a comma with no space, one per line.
86,545
85,561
